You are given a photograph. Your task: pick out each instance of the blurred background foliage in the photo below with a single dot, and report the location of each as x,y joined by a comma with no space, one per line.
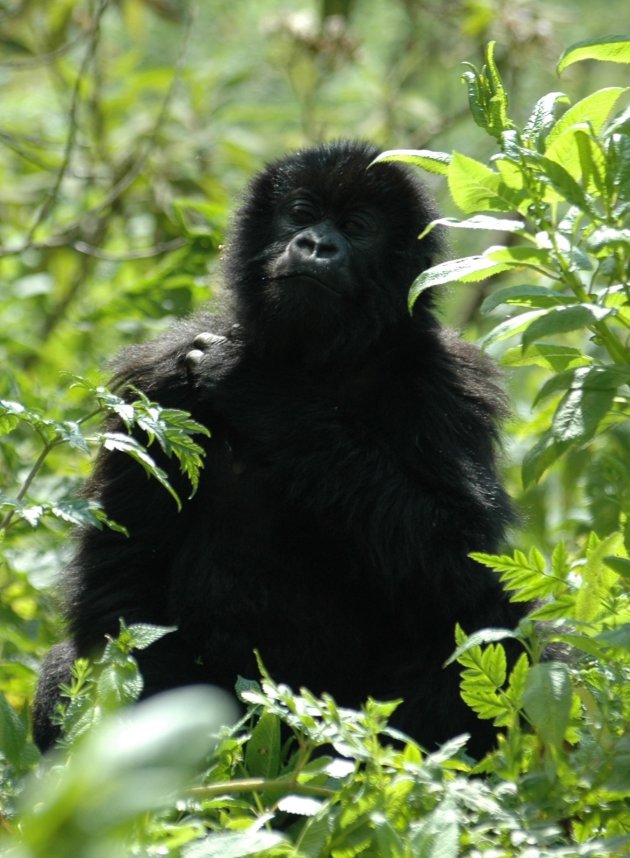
128,129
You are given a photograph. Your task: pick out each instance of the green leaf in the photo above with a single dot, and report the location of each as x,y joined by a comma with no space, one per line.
518,681
119,683
467,269
387,839
484,675
72,435
618,638
526,576
594,109
597,575
512,326
585,404
556,169
612,49
541,456
561,320
475,187
607,237
522,256
550,356
603,378
482,222
547,700
142,635
116,441
543,118
12,733
234,844
262,755
438,836
433,162
483,636
558,608
620,565
8,422
525,296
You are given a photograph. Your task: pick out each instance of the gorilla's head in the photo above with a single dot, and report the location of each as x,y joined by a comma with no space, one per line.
324,249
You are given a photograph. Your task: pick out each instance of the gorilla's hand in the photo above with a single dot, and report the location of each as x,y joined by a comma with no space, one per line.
209,362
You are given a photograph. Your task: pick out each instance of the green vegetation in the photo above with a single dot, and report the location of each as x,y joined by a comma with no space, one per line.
116,178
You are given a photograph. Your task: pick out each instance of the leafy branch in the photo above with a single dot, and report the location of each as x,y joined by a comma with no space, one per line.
559,186
171,428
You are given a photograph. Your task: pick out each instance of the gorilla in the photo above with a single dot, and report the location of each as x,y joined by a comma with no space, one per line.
351,468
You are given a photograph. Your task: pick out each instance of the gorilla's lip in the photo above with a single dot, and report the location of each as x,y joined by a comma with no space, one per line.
308,275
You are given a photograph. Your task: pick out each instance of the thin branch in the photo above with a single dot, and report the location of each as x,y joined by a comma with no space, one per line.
51,200
244,785
127,179
41,59
141,253
134,171
50,445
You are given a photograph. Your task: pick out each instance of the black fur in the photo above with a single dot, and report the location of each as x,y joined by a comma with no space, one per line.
350,471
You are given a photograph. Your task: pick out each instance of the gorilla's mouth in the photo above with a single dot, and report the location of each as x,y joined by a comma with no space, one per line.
309,278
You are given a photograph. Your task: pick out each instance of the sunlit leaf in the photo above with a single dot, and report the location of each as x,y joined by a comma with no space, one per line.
612,49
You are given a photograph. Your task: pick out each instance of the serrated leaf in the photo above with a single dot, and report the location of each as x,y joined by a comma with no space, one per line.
467,269
597,576
562,320
557,169
262,754
245,686
12,732
618,638
580,412
8,422
620,565
234,844
560,607
475,187
116,441
71,433
300,805
518,681
612,49
119,683
526,576
426,159
482,222
142,635
547,700
483,636
512,326
541,456
553,357
522,256
594,109
525,296
438,836
543,117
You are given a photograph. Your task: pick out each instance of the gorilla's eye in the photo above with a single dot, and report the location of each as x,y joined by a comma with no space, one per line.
302,212
357,223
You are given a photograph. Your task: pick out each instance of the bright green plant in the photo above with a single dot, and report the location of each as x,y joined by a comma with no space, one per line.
560,188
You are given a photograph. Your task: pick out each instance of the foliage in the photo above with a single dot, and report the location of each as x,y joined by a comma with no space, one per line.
559,189
113,207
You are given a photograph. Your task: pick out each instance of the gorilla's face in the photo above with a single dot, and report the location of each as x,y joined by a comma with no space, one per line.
324,250
321,247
